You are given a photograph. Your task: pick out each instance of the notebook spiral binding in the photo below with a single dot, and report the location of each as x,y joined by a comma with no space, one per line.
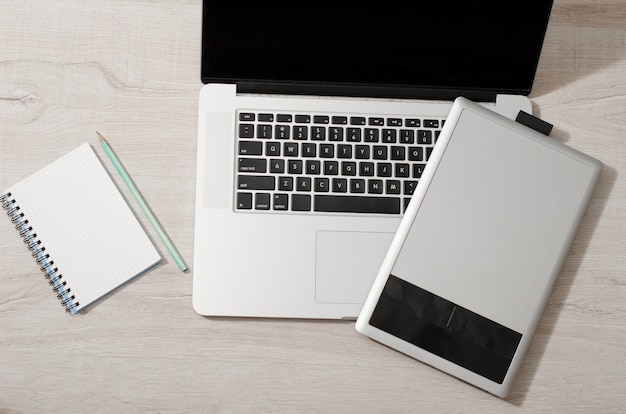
38,251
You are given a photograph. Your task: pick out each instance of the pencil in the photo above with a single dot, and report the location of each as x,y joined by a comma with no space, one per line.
142,203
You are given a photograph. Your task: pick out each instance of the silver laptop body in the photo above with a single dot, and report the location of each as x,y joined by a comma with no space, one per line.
254,255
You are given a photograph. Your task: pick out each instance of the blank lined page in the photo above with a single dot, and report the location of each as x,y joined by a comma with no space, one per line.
85,225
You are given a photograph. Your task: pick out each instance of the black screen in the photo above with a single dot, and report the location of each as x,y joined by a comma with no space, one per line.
416,45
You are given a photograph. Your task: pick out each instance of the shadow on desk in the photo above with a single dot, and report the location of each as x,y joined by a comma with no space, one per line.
581,39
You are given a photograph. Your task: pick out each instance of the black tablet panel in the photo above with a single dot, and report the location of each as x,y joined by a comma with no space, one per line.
445,329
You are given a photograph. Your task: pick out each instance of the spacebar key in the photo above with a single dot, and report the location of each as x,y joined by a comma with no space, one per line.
356,204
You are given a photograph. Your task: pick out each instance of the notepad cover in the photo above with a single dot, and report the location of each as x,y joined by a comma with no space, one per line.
80,229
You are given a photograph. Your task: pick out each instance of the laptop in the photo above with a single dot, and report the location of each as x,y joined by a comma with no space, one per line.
315,124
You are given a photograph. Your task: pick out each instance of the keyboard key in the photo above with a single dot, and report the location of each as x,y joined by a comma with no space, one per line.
282,132
418,170
285,183
353,135
322,185
398,153
384,169
300,132
262,201
331,168
412,122
303,184
327,150
357,185
366,169
301,202
402,170
340,120
303,119
290,149
283,118
371,135
246,116
431,123
375,186
389,136
263,131
335,134
250,148
409,187
266,117
340,185
255,182
281,202
362,152
348,168
394,122
392,187
318,133
429,151
313,167
357,120
344,151
406,203
416,154
246,131
380,152
295,166
271,148
356,204
309,150
244,201
320,119
424,137
255,165
376,121
407,136
277,166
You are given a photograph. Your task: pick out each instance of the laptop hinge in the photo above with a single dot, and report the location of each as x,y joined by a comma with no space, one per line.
365,91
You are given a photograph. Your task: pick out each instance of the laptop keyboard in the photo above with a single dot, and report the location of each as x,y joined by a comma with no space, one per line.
330,163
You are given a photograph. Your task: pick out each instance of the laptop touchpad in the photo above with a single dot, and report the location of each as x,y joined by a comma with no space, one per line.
346,264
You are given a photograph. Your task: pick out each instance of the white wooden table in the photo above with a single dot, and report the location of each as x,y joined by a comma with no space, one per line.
130,69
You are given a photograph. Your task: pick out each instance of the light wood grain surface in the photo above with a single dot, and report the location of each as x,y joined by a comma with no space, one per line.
130,69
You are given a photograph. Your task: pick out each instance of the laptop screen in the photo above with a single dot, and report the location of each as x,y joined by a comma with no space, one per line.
375,48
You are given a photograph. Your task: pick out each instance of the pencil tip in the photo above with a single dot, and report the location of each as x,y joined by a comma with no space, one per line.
100,136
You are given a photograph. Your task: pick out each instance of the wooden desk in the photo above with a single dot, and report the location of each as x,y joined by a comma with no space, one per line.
130,69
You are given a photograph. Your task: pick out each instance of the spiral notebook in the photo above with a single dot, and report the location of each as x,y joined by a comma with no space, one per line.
79,228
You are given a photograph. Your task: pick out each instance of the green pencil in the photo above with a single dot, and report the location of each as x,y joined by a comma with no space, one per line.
142,203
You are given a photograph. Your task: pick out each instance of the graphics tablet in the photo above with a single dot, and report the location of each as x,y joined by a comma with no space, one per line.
476,255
